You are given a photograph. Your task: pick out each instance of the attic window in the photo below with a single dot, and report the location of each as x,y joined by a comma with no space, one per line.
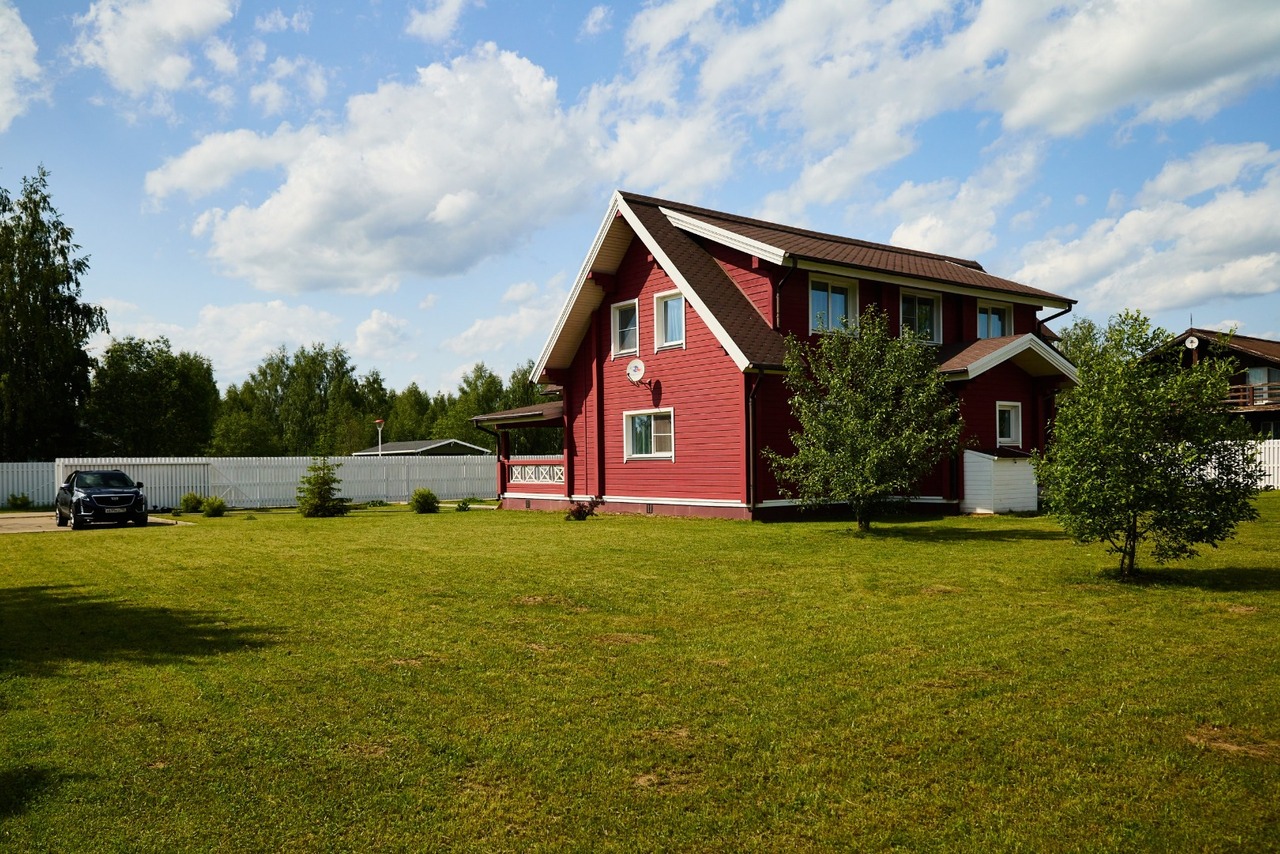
921,314
668,320
994,321
626,329
829,305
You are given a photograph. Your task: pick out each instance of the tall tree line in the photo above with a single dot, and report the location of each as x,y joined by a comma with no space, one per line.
139,398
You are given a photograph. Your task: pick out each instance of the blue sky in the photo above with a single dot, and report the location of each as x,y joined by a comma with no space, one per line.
419,180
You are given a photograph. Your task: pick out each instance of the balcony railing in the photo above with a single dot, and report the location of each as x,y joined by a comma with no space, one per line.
1263,394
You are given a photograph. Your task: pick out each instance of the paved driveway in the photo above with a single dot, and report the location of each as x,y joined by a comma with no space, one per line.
27,523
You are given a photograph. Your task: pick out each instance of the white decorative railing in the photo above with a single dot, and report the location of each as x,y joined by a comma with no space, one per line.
535,473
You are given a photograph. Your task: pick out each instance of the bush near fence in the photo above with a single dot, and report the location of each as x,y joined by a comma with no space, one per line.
265,481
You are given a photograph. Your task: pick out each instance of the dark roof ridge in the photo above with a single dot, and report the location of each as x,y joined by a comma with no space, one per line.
803,232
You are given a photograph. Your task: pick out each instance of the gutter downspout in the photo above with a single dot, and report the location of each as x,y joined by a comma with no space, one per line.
1041,324
777,295
751,443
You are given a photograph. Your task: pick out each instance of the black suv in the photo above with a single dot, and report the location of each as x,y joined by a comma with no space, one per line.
100,496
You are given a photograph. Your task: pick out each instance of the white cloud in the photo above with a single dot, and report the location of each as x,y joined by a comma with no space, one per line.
276,94
429,302
596,22
535,312
141,45
437,20
960,219
222,56
19,69
236,337
1172,253
276,21
425,178
1163,59
220,158
1209,168
382,336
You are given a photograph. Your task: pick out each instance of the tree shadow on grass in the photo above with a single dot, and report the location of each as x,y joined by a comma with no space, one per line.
22,786
933,529
42,628
1221,579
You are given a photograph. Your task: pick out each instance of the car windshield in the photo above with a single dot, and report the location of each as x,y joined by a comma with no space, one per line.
104,480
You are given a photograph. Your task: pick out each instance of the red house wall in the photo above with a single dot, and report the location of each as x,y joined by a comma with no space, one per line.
978,398
698,382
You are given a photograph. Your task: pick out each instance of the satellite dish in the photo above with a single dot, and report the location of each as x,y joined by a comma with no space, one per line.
1192,342
635,370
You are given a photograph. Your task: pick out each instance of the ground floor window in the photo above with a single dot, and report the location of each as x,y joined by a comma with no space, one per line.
649,434
1008,423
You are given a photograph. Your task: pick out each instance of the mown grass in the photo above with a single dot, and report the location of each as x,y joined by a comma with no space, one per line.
510,681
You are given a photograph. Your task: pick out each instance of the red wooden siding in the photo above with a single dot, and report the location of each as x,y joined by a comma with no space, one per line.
752,276
698,382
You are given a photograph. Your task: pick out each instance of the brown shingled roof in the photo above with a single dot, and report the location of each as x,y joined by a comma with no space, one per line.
1263,348
859,254
762,346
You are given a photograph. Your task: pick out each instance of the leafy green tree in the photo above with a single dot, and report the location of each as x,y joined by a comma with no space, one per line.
1147,450
875,417
44,327
479,392
148,401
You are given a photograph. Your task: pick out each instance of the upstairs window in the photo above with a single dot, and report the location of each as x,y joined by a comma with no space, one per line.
626,329
994,321
668,320
1008,423
649,434
829,306
922,314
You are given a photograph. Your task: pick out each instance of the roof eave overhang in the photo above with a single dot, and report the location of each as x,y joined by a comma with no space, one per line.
866,274
1028,352
585,297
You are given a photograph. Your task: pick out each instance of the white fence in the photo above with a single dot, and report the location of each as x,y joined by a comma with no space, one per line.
264,481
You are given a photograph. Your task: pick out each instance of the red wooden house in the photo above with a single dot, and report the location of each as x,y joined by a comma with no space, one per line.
669,355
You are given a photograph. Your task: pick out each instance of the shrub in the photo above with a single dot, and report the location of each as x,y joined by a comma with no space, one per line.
463,505
582,509
424,501
213,506
375,502
19,502
191,503
318,491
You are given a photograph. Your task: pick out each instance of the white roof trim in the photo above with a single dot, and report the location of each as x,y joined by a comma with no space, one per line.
1013,348
850,272
722,337
578,286
724,237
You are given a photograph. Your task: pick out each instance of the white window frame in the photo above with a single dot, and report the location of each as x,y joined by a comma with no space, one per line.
628,453
936,299
614,330
850,287
1007,308
1016,408
660,302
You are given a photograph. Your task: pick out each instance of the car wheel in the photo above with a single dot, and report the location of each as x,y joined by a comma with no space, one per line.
140,521
76,522
58,519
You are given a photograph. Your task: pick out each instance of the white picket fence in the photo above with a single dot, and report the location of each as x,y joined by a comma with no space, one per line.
264,481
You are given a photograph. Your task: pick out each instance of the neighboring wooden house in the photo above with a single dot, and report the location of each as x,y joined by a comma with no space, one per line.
669,353
423,448
1255,389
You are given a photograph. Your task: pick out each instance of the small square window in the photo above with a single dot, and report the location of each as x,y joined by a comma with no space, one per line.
1008,423
626,329
921,314
828,306
668,320
994,321
649,434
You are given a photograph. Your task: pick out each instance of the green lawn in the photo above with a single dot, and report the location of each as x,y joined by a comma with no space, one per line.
510,681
